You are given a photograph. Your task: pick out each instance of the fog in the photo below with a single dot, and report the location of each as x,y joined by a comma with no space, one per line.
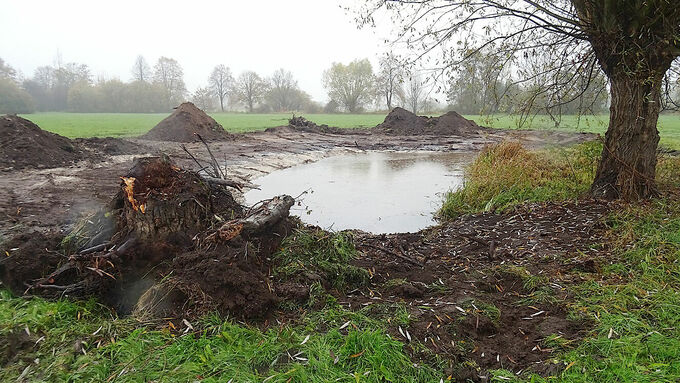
304,36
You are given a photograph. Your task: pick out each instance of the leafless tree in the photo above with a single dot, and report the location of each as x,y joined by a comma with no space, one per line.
203,98
390,78
141,70
283,93
415,93
6,71
634,43
221,83
250,88
170,76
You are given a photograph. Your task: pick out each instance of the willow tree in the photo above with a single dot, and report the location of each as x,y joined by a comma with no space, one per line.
633,42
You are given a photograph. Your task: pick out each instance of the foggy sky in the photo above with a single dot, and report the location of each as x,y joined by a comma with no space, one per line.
303,36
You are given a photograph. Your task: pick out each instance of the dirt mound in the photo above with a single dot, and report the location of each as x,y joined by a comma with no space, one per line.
111,146
24,145
177,241
186,120
300,123
401,122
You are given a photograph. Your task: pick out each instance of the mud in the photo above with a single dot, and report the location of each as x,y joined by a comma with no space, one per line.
302,124
449,275
13,344
184,123
110,146
164,227
36,257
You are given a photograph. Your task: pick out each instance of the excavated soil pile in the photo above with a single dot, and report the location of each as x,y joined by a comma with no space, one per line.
168,244
184,122
24,145
401,122
302,124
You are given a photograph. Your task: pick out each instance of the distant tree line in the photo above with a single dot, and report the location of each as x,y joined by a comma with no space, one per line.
71,87
484,84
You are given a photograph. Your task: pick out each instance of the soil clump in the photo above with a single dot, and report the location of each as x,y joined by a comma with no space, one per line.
184,123
302,124
401,122
24,145
168,230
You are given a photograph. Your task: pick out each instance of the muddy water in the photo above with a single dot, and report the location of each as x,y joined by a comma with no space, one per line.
378,192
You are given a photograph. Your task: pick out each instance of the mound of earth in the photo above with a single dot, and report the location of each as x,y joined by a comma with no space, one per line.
24,145
401,122
183,123
302,124
170,243
111,146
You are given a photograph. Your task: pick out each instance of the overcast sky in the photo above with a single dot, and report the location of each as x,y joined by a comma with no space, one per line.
303,36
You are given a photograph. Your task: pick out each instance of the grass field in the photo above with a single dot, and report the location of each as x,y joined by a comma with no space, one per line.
76,125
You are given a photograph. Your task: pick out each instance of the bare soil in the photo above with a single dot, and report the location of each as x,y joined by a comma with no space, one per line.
184,123
448,274
162,228
25,145
445,276
404,123
110,146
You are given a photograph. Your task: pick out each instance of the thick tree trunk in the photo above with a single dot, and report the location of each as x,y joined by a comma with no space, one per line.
628,164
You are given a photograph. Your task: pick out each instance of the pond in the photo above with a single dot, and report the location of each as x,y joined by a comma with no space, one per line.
378,192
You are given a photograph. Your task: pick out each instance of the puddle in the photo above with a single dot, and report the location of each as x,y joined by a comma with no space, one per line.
378,192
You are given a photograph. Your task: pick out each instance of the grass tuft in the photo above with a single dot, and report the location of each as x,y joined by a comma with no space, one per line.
316,253
507,174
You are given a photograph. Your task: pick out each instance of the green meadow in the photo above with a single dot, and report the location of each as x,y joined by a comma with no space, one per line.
75,125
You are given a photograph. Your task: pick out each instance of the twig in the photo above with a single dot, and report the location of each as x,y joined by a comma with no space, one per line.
94,249
405,258
192,157
216,165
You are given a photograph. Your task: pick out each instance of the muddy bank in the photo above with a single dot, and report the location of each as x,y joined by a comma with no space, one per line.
463,284
487,287
51,199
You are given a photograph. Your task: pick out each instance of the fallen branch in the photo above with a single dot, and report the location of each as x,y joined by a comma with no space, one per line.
236,185
401,256
269,214
216,167
94,249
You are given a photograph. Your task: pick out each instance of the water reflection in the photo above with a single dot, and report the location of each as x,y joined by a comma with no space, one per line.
379,192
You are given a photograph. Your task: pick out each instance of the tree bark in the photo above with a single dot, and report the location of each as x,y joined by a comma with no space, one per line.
627,166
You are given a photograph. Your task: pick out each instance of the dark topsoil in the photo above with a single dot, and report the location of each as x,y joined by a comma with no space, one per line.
401,122
23,145
183,124
111,146
448,275
164,224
